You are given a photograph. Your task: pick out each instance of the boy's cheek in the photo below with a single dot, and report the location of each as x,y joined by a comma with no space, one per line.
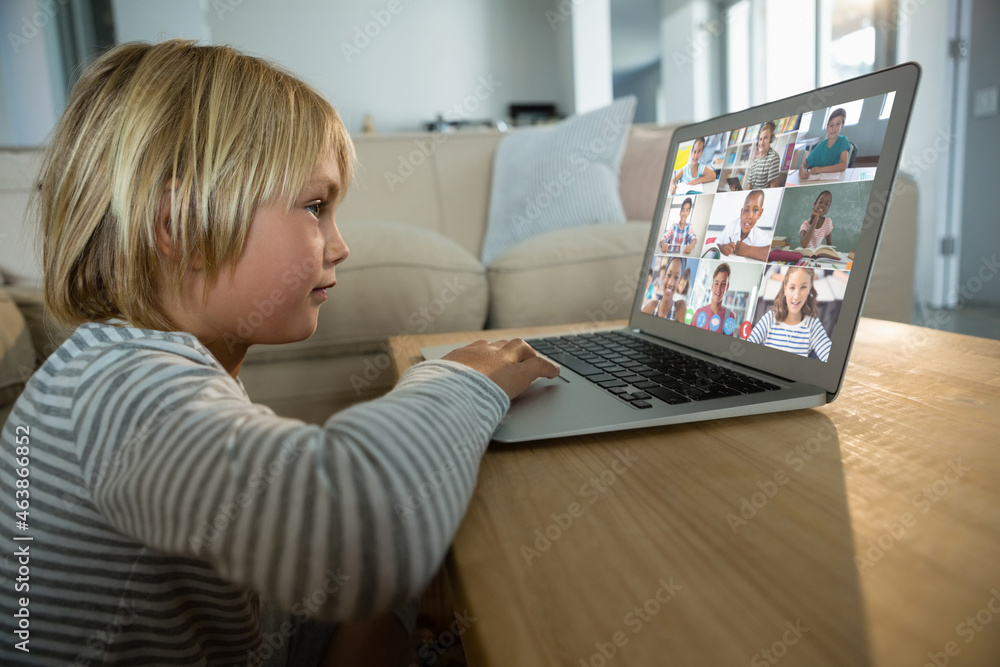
289,278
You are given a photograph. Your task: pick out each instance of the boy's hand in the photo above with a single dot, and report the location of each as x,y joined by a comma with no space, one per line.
512,364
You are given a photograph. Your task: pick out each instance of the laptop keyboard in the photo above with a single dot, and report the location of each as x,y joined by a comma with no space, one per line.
637,371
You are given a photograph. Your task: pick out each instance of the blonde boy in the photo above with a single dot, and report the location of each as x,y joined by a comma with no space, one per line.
174,521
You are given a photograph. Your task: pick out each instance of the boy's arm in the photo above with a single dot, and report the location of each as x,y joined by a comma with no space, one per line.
358,513
752,251
693,238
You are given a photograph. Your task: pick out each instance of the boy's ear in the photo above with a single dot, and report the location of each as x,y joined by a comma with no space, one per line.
164,230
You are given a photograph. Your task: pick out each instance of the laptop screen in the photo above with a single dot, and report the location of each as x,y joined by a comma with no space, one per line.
757,237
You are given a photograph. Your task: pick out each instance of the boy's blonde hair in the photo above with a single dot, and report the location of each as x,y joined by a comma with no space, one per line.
203,133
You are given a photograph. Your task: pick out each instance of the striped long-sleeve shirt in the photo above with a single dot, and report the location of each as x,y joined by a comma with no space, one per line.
802,338
164,506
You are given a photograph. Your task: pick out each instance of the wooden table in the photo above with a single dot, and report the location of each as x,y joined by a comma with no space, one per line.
866,532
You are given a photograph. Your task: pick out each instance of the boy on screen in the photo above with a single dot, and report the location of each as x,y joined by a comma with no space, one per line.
703,317
742,237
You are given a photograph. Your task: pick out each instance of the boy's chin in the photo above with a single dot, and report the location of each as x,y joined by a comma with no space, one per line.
290,334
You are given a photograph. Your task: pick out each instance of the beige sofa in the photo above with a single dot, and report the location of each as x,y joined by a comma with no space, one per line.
415,220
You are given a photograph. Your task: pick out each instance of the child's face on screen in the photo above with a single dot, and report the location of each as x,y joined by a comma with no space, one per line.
696,151
287,264
834,126
822,204
671,278
685,212
764,140
797,287
720,284
753,207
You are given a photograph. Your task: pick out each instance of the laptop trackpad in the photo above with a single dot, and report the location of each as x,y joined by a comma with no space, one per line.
543,386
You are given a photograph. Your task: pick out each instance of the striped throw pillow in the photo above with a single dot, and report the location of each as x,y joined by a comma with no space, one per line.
558,177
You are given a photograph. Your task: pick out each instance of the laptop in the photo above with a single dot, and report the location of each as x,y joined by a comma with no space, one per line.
746,333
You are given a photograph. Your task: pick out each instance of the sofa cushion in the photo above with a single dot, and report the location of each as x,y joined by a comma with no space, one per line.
399,279
588,274
557,177
17,355
642,170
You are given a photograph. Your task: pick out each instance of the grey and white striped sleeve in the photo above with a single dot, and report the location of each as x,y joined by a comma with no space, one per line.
346,520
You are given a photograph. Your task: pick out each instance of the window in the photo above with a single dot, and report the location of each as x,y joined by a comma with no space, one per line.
853,110
778,48
737,56
847,39
887,106
790,48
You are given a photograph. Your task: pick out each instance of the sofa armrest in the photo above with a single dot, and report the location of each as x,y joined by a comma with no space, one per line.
46,333
17,353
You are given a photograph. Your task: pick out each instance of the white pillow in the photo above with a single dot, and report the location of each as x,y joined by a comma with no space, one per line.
558,176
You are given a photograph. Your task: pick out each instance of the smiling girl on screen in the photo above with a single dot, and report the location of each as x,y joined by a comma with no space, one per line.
792,323
693,173
666,304
818,228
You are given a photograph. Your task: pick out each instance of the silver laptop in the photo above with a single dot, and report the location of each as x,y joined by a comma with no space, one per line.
739,308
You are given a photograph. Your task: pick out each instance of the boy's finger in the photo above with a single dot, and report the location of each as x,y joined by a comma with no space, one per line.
519,348
542,367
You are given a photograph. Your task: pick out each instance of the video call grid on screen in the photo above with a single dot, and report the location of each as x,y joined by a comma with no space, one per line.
758,234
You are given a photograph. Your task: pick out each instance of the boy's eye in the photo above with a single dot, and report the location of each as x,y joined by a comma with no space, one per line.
315,208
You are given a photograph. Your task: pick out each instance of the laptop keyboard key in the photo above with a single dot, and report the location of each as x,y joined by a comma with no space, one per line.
574,364
667,396
719,392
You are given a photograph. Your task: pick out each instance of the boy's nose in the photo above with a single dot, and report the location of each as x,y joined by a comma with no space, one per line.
336,248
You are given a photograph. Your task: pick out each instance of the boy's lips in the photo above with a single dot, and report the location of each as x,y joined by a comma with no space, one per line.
321,291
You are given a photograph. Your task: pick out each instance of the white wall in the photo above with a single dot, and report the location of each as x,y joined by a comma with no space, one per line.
402,61
155,20
6,128
980,241
688,63
592,78
25,28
